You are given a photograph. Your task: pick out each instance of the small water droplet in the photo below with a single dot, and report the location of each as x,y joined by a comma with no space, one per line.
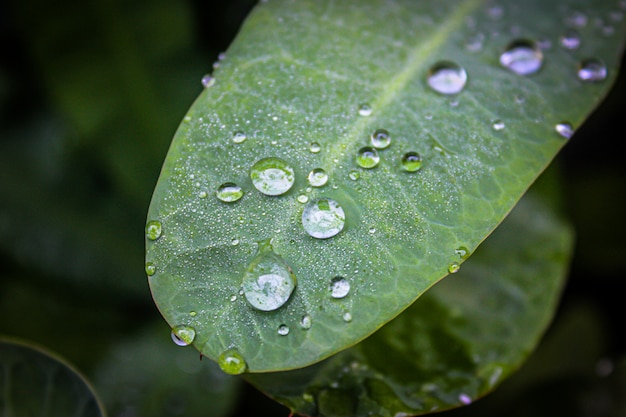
495,12
234,241
323,218
347,317
231,362
207,81
339,287
193,313
233,298
268,281
283,330
454,267
446,77
372,230
411,161
564,129
570,39
203,194
318,177
367,157
229,192
183,335
475,43
154,229
522,56
498,125
239,137
576,19
306,322
272,176
592,70
380,139
150,269
302,198
463,252
354,174
365,110
465,399
315,147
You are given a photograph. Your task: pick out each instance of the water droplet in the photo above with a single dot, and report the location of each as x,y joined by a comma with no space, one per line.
323,218
498,125
365,110
233,298
592,70
475,43
495,12
522,56
564,129
570,39
463,252
229,192
354,175
411,161
465,399
183,335
347,317
380,139
207,81
232,362
234,241
372,230
239,136
576,19
153,229
302,198
268,281
193,313
454,267
306,322
283,330
150,269
203,194
339,287
315,147
367,157
318,177
446,77
272,176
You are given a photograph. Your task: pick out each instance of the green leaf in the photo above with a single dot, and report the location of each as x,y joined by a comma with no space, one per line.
36,383
454,344
295,78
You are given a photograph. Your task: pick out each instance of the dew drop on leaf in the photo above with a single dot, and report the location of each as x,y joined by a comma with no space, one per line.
591,70
564,129
576,19
411,161
323,218
365,110
570,39
207,81
454,267
380,138
239,137
447,77
229,192
354,175
231,362
367,157
268,281
154,229
272,176
302,198
522,56
150,269
315,147
306,322
498,125
463,252
347,317
183,335
283,330
318,177
339,287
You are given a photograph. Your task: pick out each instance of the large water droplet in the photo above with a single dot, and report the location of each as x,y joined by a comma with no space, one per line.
268,281
229,192
183,335
564,129
323,218
522,56
339,287
570,39
207,81
446,77
318,177
232,362
592,70
239,137
367,157
380,138
411,162
272,176
365,110
153,229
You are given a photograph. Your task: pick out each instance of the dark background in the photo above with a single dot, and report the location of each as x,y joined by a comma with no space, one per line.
90,97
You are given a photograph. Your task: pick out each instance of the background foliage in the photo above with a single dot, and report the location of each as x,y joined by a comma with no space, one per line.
90,96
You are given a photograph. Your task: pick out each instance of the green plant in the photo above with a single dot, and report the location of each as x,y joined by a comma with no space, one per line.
309,85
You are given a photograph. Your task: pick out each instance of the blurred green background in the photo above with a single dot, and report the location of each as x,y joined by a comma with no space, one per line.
91,94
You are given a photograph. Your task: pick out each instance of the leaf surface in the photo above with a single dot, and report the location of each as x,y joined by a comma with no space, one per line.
292,86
